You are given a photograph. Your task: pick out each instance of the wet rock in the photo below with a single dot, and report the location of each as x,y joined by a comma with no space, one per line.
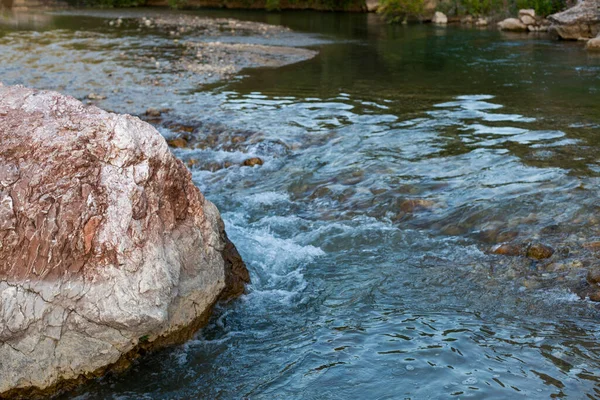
593,44
321,192
412,205
593,276
539,251
251,162
153,112
510,249
178,143
107,249
512,24
592,245
595,296
94,96
579,22
439,18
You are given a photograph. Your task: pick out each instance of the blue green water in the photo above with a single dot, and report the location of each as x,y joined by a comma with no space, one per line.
356,294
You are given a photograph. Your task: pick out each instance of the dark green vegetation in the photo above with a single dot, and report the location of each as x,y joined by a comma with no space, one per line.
271,5
399,10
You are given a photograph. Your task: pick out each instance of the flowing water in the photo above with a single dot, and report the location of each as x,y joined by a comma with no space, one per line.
393,161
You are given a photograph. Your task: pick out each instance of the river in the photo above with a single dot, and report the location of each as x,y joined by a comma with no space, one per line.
393,161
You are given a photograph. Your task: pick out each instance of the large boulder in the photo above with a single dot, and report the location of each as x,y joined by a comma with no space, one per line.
580,21
106,246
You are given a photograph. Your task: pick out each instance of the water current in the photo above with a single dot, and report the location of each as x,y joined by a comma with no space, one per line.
393,161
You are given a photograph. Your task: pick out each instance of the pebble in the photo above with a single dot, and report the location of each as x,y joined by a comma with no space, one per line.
593,276
508,249
94,96
251,162
153,112
178,143
539,251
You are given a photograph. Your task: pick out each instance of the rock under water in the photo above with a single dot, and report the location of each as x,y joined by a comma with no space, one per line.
106,245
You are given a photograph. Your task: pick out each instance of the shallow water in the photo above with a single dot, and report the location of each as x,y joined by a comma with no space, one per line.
356,292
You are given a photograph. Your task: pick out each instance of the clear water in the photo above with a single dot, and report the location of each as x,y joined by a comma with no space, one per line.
356,294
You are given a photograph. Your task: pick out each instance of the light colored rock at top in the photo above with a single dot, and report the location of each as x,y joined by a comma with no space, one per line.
528,11
372,5
106,245
512,24
579,22
439,18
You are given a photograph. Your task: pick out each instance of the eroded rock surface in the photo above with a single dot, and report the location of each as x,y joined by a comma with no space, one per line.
105,243
580,21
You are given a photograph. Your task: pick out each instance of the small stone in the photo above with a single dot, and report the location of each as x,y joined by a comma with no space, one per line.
192,162
592,245
411,205
439,18
251,162
512,24
153,112
481,22
539,251
593,276
94,96
509,249
178,143
595,296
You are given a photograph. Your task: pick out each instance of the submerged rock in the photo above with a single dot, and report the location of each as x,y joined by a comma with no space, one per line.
153,112
593,276
509,249
251,162
106,245
539,251
178,143
412,205
580,21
